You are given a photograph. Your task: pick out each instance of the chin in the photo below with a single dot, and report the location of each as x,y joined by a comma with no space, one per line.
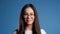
29,23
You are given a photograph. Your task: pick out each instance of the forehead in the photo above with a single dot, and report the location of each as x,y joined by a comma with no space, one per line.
29,10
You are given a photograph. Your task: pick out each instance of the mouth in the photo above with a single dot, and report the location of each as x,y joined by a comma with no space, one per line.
29,20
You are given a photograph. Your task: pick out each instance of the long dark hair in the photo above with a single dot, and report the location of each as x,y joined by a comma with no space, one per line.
21,26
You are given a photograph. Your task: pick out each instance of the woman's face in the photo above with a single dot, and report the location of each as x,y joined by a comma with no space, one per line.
29,15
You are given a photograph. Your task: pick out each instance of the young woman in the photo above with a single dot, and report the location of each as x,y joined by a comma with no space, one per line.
28,23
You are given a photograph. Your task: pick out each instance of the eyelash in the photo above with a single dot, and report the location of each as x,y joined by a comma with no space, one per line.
27,14
32,14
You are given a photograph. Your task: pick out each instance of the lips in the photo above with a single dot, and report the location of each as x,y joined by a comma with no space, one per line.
28,20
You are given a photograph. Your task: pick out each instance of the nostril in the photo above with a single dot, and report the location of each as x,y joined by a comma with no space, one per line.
28,16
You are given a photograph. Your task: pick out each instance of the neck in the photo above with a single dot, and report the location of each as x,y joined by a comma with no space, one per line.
28,27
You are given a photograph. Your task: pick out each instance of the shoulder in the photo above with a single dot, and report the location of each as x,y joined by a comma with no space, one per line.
14,32
43,31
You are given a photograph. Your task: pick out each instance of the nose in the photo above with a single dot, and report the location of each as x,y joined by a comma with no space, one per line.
28,16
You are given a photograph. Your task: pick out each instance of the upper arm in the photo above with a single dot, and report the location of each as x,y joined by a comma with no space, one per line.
43,31
14,32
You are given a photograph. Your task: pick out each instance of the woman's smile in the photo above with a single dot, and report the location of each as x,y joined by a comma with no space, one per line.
29,20
29,15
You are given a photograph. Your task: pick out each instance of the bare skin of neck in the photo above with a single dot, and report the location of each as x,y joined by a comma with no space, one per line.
28,27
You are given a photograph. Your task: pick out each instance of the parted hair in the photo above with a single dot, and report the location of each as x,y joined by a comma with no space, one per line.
22,24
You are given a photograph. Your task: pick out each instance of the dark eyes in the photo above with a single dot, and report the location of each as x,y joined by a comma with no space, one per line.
31,14
25,14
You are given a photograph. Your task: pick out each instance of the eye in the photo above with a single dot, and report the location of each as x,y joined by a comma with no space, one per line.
25,14
32,14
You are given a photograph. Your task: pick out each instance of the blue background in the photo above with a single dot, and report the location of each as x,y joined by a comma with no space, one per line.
48,14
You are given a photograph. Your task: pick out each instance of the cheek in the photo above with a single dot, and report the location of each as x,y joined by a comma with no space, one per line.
25,18
33,18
